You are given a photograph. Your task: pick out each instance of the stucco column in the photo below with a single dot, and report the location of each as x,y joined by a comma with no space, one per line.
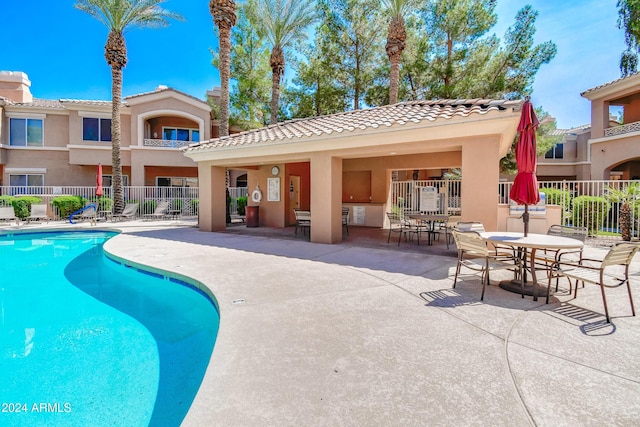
326,199
480,175
212,196
137,170
599,118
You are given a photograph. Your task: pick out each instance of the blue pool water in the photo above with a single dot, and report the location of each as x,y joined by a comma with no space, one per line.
86,341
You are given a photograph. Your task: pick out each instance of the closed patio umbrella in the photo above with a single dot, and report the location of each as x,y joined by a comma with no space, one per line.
99,190
525,186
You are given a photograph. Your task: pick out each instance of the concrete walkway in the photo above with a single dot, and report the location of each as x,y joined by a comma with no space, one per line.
333,335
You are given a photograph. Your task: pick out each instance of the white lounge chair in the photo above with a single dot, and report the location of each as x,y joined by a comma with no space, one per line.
38,213
87,213
7,213
129,212
161,211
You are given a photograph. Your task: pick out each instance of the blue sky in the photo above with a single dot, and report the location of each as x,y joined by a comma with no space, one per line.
61,50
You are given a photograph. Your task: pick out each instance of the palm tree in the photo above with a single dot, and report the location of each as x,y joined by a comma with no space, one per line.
119,16
627,196
282,22
395,42
224,16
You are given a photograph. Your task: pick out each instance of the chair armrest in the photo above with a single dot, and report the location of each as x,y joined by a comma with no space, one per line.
577,265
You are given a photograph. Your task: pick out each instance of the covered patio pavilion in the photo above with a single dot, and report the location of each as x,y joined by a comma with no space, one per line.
319,163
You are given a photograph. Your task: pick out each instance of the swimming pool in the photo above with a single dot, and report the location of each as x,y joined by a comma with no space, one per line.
85,340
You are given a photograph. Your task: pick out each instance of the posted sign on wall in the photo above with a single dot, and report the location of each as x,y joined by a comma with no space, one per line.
428,199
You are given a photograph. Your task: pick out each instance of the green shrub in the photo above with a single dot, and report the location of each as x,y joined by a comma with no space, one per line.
590,212
6,200
242,204
399,209
194,206
22,205
149,206
105,204
176,205
556,196
67,204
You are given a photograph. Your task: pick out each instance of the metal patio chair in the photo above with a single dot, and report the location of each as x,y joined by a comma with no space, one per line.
604,274
474,254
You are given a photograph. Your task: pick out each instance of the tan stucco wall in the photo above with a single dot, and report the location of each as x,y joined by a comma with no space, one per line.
58,172
149,156
212,178
612,151
480,173
152,172
95,155
475,144
632,111
56,130
272,213
168,106
538,223
599,117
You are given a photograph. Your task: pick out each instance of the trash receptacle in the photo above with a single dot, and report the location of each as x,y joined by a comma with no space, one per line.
252,216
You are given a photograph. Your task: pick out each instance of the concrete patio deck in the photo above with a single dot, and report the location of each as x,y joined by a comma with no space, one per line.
375,336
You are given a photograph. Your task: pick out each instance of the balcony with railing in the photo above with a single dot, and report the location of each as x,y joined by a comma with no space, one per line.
165,143
622,129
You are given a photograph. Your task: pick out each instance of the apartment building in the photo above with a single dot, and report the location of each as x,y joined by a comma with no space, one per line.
61,142
604,149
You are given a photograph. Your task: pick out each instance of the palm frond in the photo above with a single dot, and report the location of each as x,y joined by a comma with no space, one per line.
122,15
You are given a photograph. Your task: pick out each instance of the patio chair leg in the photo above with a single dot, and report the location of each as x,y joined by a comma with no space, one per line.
633,310
604,300
455,278
485,279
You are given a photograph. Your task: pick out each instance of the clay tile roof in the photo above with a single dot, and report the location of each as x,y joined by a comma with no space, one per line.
571,131
593,89
386,116
160,89
39,103
87,102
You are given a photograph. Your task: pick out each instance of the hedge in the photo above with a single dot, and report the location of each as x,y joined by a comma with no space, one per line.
67,204
590,212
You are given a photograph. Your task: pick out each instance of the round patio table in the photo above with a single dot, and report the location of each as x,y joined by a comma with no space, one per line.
429,220
531,242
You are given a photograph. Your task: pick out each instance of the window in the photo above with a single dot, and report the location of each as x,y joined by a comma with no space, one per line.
556,152
26,183
180,134
163,181
94,129
107,180
26,132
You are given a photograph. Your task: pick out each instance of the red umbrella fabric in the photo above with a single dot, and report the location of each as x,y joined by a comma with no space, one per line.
525,186
99,190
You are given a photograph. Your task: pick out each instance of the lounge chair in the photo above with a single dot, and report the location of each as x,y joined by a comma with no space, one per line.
7,213
129,212
161,211
86,213
38,213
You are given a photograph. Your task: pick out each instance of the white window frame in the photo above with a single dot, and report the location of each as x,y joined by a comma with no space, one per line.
125,179
553,150
100,119
26,118
26,175
171,178
176,128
